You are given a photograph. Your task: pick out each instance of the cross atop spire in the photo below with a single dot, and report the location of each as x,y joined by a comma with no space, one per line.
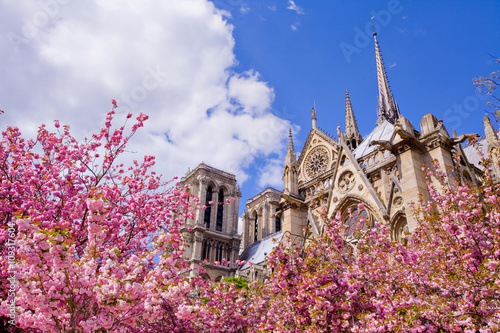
387,108
352,136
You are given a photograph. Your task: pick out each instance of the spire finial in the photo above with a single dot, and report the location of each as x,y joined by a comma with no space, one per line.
290,175
351,127
290,141
314,117
290,157
388,109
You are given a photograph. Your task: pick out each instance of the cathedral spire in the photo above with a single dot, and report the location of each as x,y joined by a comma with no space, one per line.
290,172
314,118
290,141
290,155
352,135
387,108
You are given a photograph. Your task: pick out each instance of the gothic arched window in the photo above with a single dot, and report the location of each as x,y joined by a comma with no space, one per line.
256,228
218,252
277,223
220,211
208,209
205,251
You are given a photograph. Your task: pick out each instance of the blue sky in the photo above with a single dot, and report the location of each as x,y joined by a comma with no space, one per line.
431,50
223,81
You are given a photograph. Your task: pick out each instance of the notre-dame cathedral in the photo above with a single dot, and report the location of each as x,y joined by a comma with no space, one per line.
382,170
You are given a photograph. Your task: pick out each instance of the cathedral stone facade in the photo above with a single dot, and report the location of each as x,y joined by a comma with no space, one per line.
334,175
382,170
212,236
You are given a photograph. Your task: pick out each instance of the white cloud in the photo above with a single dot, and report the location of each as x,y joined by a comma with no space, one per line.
177,66
392,65
250,92
294,7
244,9
272,8
271,174
293,27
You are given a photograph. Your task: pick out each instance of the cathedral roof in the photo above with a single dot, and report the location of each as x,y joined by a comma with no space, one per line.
475,153
383,132
258,251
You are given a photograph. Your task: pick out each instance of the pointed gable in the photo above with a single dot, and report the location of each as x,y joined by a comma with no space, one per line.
317,156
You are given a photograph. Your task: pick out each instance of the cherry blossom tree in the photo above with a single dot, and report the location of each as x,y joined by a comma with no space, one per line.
96,243
91,245
488,85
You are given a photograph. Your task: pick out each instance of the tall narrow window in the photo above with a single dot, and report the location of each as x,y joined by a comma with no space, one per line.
206,251
218,253
256,228
208,209
277,222
220,211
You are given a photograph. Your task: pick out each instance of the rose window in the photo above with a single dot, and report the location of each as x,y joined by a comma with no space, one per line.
356,222
316,162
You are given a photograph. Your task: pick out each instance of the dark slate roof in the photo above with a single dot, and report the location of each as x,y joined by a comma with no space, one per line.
257,252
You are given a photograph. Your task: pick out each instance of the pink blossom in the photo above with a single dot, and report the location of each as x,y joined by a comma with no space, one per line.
23,224
95,205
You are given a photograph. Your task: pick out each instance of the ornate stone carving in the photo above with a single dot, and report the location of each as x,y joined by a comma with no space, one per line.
346,181
375,176
397,202
316,162
401,233
360,187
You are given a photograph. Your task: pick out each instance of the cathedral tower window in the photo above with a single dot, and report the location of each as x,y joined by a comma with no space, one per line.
208,209
277,222
220,211
218,253
206,251
256,228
